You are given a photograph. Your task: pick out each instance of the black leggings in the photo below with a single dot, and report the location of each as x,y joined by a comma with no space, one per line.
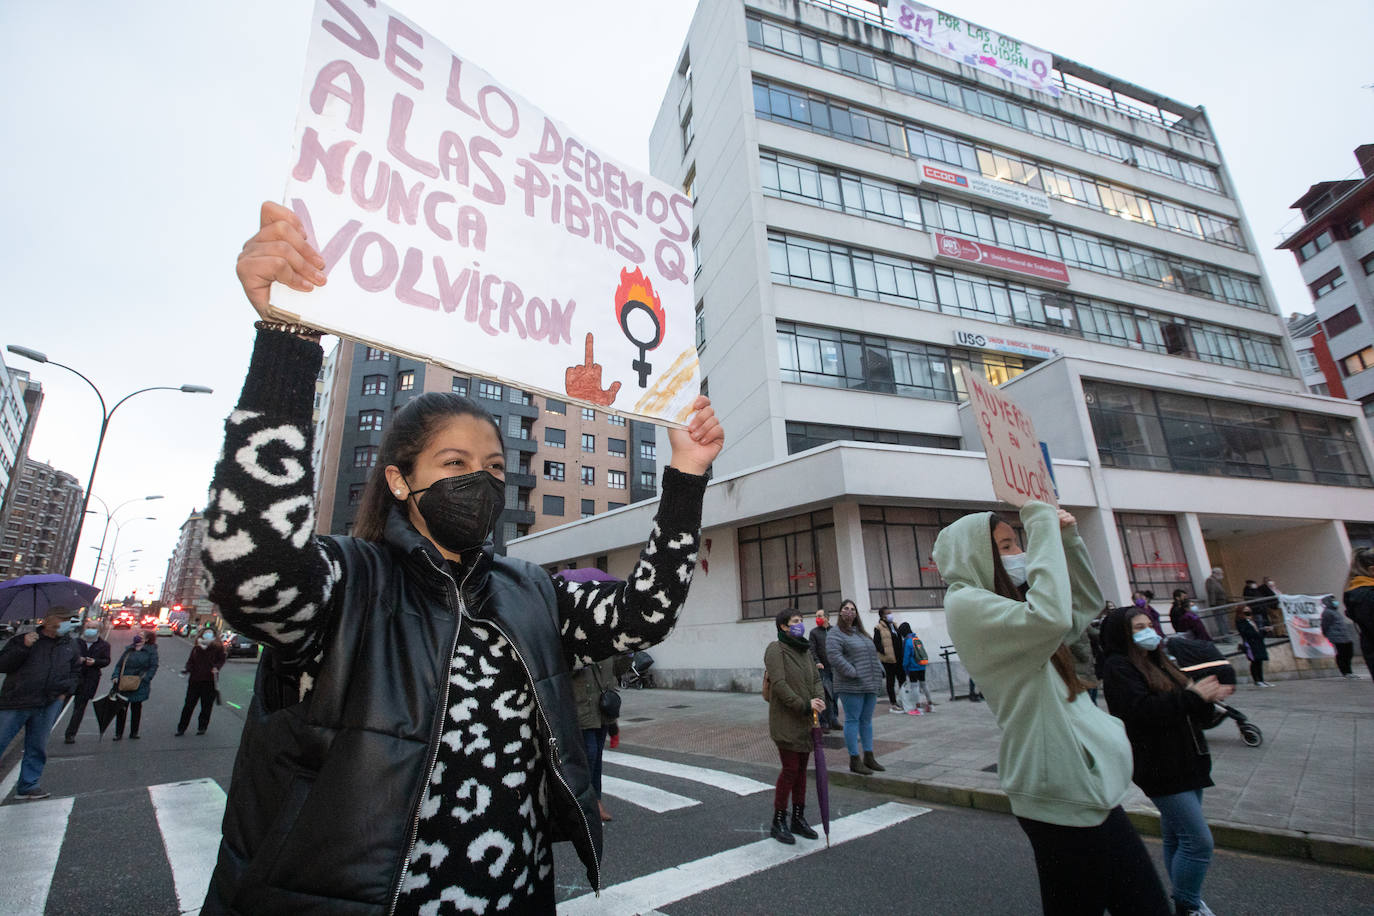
1344,652
1256,672
134,711
1084,870
895,677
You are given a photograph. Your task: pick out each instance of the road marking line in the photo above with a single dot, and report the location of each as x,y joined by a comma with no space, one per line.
740,785
636,793
651,892
188,817
31,835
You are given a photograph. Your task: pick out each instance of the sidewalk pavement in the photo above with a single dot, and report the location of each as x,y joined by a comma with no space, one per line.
1307,792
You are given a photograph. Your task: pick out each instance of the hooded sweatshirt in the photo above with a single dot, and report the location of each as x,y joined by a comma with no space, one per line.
1060,762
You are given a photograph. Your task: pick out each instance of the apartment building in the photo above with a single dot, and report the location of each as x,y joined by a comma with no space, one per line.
41,523
186,584
873,221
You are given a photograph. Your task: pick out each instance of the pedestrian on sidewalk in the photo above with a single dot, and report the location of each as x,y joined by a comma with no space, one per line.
595,717
915,660
1141,602
1337,632
1184,618
794,694
1217,597
1164,712
95,655
413,740
858,678
830,718
202,670
1064,764
1252,644
1359,601
138,660
888,645
41,670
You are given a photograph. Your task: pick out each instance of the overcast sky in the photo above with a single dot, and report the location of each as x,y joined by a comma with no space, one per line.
140,138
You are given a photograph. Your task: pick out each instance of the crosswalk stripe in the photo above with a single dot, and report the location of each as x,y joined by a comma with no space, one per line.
670,885
740,785
636,793
31,836
188,817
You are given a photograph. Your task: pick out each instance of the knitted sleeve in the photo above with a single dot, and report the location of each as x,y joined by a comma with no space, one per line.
268,574
604,619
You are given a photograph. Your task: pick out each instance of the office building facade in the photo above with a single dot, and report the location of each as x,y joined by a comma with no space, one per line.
872,223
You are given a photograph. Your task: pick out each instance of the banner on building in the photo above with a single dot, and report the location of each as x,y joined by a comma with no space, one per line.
1302,614
1003,260
981,341
974,46
1015,460
1004,193
462,225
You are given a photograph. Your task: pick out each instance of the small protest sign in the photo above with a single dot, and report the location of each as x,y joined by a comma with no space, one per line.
462,225
1302,615
1015,460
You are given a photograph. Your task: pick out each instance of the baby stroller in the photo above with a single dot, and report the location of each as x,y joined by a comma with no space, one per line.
632,669
1198,659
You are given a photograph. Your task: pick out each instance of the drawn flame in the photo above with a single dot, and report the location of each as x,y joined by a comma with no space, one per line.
635,287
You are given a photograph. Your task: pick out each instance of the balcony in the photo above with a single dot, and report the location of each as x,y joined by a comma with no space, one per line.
515,478
519,516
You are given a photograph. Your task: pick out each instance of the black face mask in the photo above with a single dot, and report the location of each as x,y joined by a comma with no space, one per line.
461,511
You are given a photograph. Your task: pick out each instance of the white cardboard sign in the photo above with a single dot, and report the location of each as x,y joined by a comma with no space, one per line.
462,225
1015,461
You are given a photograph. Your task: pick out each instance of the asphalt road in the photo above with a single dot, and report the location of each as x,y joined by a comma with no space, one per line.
711,856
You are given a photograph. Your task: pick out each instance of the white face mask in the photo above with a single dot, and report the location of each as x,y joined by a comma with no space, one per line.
1147,639
206,640
1015,565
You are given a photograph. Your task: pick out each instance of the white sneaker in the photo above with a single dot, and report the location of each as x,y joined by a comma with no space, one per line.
897,709
1353,676
1203,909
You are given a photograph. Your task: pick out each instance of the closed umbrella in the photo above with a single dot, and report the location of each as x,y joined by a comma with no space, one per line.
34,596
822,774
106,708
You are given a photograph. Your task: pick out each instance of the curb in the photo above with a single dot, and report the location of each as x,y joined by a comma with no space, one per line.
1347,852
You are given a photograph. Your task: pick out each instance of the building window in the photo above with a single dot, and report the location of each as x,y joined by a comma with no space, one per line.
788,563
374,384
803,436
646,479
1352,227
553,470
1317,244
1170,431
374,353
1358,362
614,420
588,415
1343,320
355,493
486,389
365,456
589,476
610,506
701,324
696,252
1154,553
405,381
370,420
646,450
1367,262
588,442
615,447
459,385
558,407
897,544
615,480
553,505
555,438
1307,363
588,508
1332,281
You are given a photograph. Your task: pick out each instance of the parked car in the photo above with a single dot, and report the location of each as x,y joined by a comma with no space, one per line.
164,629
237,645
149,622
123,621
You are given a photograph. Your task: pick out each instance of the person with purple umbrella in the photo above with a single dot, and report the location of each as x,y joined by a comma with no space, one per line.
794,694
41,670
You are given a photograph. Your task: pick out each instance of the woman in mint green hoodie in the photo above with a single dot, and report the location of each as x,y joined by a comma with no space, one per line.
1064,764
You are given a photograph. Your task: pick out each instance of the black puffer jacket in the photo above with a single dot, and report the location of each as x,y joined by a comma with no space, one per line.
1169,750
38,674
361,745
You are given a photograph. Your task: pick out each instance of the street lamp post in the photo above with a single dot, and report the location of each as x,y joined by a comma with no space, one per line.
109,568
119,527
40,357
109,517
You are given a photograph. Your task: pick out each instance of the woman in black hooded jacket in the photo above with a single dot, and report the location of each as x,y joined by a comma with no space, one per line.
1163,712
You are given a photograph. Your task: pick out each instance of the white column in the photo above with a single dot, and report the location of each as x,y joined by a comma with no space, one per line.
1195,549
849,545
1097,527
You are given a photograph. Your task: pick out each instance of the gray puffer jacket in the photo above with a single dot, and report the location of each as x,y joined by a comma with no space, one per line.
853,662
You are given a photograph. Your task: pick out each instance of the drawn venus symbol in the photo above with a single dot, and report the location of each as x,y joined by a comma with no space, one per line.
636,294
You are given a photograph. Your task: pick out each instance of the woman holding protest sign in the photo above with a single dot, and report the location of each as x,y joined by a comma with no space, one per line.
413,735
1064,763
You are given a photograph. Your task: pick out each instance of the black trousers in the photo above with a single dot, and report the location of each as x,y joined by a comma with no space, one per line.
132,710
78,713
896,676
204,693
1344,652
1256,671
1086,870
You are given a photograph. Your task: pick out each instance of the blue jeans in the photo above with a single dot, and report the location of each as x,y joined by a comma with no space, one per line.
1187,843
595,739
858,720
37,723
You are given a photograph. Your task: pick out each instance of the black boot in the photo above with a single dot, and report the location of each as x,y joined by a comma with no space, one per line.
799,825
857,766
780,831
872,764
